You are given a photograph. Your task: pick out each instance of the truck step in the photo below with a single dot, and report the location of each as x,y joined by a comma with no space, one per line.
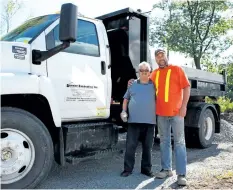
89,136
92,155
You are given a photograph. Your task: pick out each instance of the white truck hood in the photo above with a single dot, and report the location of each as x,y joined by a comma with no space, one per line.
15,57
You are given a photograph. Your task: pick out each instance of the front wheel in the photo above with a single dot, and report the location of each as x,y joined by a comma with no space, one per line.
26,149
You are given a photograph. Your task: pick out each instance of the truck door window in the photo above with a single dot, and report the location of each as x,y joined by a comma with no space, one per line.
86,42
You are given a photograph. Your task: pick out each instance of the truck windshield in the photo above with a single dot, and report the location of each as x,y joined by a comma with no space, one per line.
29,30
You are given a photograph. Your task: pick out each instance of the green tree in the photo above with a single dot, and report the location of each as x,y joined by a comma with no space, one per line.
9,9
196,28
217,67
225,102
230,81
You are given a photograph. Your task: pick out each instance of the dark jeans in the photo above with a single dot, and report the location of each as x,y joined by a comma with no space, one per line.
146,134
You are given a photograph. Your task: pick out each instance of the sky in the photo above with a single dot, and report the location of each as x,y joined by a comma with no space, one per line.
89,8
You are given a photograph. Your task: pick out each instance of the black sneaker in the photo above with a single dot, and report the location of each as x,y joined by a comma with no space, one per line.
148,173
125,173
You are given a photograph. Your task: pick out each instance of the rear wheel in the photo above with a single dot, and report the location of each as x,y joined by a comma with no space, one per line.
206,130
26,149
202,137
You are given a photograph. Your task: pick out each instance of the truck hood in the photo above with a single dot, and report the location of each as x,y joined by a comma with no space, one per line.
15,57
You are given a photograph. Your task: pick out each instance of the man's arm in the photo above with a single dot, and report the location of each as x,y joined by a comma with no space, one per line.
124,114
185,85
126,100
125,105
186,95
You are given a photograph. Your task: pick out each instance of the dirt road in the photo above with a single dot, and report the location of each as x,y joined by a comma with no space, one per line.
207,168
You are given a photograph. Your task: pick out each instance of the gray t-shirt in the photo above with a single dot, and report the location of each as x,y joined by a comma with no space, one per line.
141,106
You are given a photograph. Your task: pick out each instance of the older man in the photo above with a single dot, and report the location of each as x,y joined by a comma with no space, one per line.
140,101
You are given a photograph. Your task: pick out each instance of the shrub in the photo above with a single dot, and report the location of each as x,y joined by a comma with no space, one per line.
224,102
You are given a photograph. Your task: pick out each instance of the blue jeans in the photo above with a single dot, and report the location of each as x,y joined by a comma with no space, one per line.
164,129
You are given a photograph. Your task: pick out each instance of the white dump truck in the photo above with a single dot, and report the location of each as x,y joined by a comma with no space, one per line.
62,82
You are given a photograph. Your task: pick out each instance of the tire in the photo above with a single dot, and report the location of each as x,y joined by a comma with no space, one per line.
202,137
207,128
23,130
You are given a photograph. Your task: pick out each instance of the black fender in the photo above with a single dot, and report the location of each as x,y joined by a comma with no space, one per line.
196,109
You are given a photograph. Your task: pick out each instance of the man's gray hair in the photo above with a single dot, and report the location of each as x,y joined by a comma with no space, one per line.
144,63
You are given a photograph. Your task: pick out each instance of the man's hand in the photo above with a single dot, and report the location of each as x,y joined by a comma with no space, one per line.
124,116
130,82
182,112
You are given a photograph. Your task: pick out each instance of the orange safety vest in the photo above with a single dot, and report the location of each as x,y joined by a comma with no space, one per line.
169,83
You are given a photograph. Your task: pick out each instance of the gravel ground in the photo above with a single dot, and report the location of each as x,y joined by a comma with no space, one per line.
207,168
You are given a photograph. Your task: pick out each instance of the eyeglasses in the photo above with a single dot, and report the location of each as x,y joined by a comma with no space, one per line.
143,70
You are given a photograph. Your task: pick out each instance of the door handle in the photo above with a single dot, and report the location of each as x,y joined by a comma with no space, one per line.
103,68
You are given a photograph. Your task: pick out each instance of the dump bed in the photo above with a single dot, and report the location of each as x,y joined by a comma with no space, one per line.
136,27
205,83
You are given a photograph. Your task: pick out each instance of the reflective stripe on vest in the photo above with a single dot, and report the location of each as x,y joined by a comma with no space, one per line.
157,82
167,84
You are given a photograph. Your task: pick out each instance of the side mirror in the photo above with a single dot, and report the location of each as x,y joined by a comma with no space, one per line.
67,31
68,23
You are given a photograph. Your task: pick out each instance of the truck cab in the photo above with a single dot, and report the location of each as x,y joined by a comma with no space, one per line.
91,71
